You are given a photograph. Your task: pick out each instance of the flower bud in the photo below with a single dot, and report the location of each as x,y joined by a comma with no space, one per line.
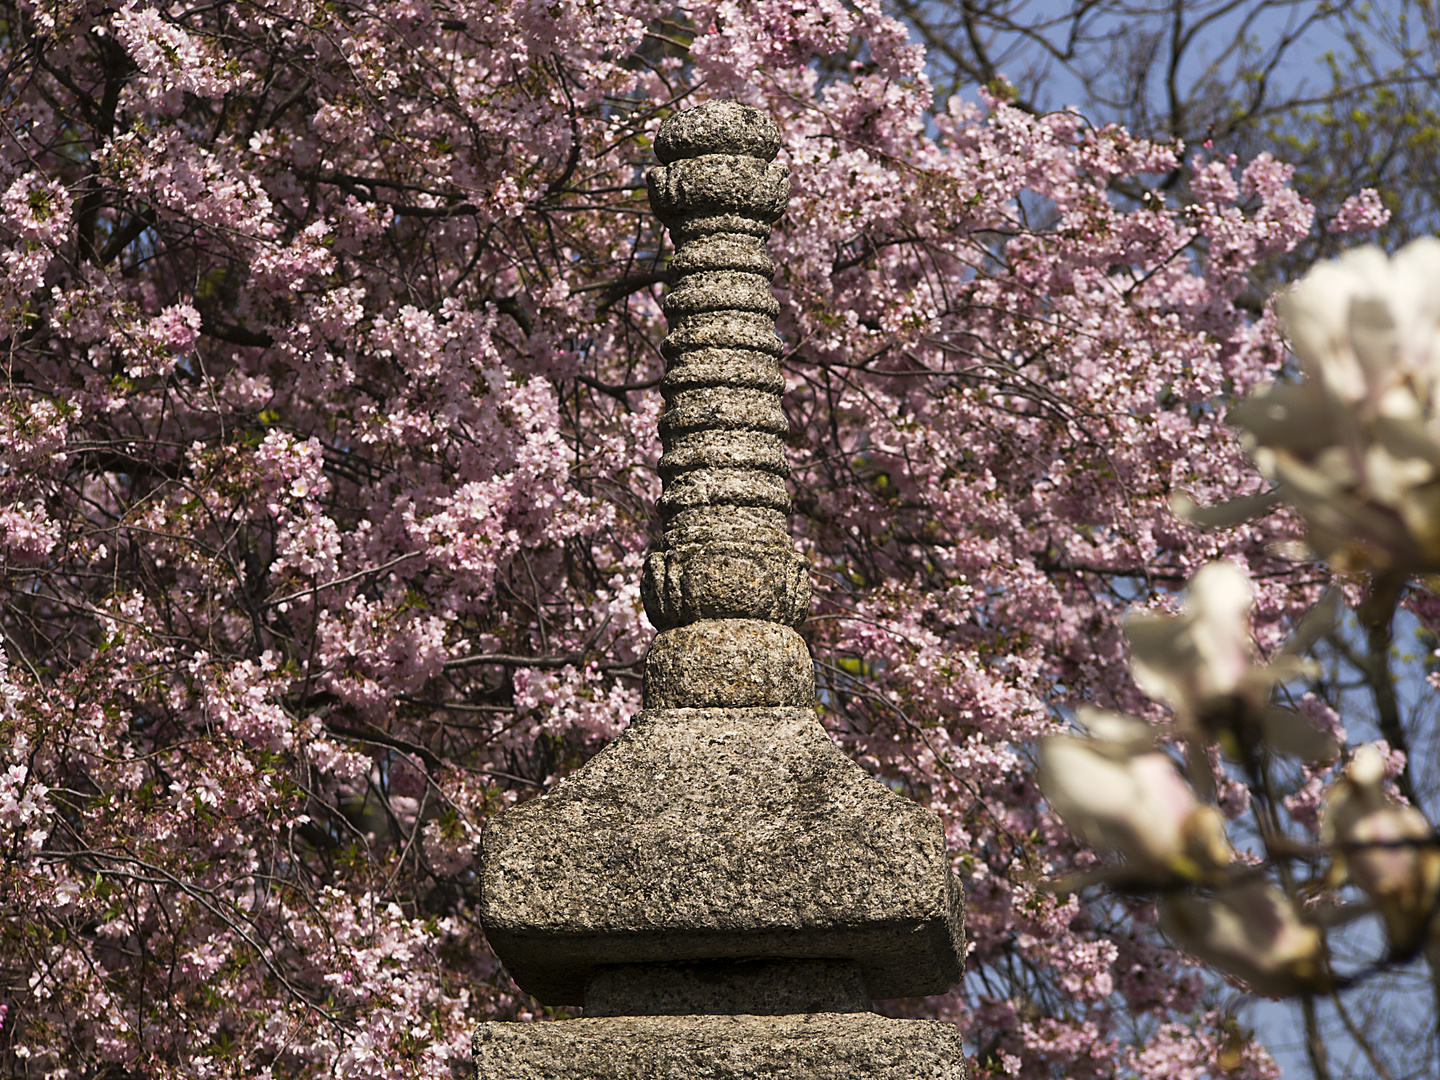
1356,447
1136,805
1251,931
1387,849
1202,664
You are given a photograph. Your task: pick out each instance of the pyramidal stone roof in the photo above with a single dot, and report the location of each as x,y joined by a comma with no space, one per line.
721,875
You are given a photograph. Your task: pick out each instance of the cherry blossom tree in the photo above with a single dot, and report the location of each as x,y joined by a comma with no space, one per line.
330,338
1345,91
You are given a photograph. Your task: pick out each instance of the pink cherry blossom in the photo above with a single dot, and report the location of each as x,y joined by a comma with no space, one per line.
1361,212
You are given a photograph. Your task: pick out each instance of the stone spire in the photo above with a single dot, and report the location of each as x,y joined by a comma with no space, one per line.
728,587
721,880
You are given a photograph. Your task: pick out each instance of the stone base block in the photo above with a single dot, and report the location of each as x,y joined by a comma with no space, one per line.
813,1046
720,834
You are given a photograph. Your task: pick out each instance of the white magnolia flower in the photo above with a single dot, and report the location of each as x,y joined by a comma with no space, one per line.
1386,848
1252,931
1356,446
1366,327
1125,796
1202,664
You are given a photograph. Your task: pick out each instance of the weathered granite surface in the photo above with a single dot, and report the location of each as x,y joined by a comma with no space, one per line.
711,833
818,1046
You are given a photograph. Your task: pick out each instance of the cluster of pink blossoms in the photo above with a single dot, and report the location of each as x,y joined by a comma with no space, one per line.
328,464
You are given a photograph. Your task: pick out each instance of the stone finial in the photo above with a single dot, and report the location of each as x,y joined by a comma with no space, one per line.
727,586
718,127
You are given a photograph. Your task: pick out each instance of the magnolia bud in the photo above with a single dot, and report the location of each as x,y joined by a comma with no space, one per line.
1253,932
1138,806
1202,664
1386,848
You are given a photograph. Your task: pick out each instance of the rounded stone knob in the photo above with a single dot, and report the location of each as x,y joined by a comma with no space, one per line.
718,127
728,664
725,580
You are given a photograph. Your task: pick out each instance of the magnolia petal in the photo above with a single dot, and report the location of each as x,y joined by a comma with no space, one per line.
1389,478
1290,415
1205,838
1192,660
1420,509
1356,446
1408,438
1375,339
1226,514
1336,518
1292,550
1336,468
1284,668
1221,591
1160,654
1136,808
1419,260
1217,607
1288,733
1116,734
1318,622
1399,403
1305,482
1388,849
1313,314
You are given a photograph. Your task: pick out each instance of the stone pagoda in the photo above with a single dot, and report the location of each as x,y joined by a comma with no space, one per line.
721,888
